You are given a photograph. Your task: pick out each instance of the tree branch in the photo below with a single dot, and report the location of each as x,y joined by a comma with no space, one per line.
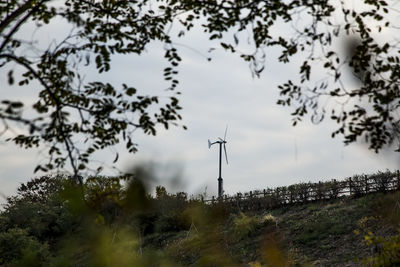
66,139
14,15
17,25
19,119
37,76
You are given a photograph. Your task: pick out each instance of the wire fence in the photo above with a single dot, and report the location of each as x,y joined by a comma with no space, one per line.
355,186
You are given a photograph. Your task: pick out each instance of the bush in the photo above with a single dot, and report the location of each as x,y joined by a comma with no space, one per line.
386,252
383,181
243,226
18,248
173,222
269,219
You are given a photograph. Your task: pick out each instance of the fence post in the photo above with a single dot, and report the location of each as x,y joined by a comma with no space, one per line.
265,193
291,195
366,184
335,189
238,201
398,180
212,200
320,192
350,186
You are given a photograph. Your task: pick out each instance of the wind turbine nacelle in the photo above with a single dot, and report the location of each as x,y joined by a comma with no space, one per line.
209,143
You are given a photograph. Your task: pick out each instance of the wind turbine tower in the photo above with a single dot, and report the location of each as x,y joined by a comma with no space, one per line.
221,143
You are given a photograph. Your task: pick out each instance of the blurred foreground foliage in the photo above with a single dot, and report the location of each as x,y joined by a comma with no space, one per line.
115,221
385,247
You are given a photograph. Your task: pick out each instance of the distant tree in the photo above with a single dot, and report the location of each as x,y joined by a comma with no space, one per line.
161,192
69,109
17,248
104,195
40,208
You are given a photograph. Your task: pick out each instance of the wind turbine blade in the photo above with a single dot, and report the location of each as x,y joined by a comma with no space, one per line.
209,144
226,129
226,155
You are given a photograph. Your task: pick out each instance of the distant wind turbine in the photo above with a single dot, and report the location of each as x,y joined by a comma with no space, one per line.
221,143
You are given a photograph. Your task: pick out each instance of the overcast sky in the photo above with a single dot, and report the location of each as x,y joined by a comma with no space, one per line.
264,150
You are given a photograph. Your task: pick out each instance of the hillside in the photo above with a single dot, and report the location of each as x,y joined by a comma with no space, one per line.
321,233
53,221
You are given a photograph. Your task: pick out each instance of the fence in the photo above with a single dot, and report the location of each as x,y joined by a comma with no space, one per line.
355,186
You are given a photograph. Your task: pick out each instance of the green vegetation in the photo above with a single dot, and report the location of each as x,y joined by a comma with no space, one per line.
53,221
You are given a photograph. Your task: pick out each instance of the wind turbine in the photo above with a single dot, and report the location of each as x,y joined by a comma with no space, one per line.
221,143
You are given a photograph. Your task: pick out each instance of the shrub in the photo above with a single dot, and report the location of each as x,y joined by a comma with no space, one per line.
383,181
269,219
172,222
386,252
18,248
334,189
357,185
243,225
304,191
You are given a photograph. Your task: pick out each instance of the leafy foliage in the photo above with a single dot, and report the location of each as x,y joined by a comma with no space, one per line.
244,225
38,208
388,252
311,34
17,247
69,108
385,246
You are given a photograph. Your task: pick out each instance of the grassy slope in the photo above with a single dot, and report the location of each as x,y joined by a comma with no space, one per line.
312,234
